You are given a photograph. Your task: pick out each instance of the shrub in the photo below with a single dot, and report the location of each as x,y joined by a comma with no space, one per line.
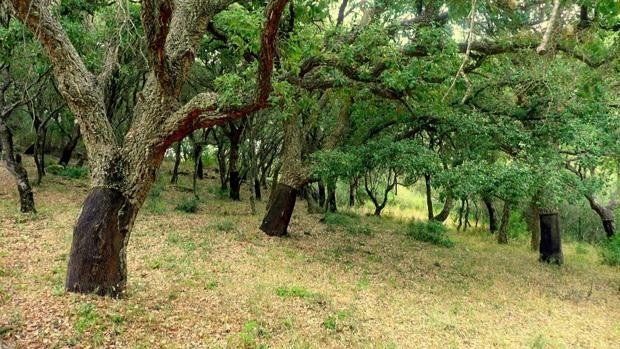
433,232
188,205
610,251
68,172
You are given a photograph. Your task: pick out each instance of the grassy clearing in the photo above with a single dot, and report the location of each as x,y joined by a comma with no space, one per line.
212,280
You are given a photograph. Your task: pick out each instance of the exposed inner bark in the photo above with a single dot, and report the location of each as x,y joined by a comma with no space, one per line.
550,239
280,211
97,263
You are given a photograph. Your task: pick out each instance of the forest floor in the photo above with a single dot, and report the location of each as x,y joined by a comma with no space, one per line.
211,279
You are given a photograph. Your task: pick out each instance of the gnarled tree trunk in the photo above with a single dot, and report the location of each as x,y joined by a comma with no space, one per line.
606,213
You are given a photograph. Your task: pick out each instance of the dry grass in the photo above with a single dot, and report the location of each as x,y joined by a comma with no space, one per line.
211,279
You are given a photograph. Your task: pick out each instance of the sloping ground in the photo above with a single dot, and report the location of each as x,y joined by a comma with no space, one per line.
211,279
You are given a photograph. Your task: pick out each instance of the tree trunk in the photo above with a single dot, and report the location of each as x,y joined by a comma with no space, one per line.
606,213
550,238
461,209
322,197
488,202
13,163
67,150
331,197
257,189
352,190
429,198
234,135
177,161
292,178
502,236
532,219
97,263
445,211
280,210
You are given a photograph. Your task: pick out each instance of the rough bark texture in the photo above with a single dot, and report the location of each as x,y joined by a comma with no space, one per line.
291,178
97,263
550,239
280,211
13,163
122,173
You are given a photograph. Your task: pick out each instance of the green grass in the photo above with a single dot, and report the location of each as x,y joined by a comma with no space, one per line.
188,205
610,251
297,292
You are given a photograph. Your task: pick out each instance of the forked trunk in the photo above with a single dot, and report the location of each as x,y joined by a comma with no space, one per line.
280,210
97,263
550,238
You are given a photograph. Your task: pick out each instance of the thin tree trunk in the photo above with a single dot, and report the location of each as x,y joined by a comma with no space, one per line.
13,163
429,198
177,161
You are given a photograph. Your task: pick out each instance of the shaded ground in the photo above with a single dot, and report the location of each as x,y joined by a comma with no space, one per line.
211,279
